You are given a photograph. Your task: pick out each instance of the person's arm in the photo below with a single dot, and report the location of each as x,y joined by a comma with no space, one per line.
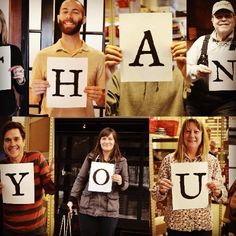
195,71
216,185
122,179
178,50
17,70
164,184
46,175
38,82
113,96
80,181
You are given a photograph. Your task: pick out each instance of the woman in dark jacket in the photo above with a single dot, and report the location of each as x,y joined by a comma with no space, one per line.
8,102
99,211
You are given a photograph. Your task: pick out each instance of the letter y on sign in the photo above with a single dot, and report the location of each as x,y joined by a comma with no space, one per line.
18,183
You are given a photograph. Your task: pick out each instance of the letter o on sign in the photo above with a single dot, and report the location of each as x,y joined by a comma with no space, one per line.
95,176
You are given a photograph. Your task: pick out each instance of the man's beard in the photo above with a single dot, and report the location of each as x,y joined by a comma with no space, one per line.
70,31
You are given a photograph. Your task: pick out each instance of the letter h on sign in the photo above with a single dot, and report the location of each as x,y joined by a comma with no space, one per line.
75,83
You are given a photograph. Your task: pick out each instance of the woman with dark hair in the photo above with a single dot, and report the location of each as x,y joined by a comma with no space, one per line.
193,146
99,211
9,105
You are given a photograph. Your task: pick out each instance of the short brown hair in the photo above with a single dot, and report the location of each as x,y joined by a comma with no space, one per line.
13,125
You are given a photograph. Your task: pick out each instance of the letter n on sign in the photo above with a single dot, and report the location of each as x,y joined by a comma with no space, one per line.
223,67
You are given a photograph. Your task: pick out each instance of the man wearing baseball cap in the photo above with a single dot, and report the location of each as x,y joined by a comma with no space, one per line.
221,41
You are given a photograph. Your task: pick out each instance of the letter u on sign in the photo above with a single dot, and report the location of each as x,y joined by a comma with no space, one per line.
189,185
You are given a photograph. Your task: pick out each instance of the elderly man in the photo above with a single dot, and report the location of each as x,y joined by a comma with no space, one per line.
201,101
70,19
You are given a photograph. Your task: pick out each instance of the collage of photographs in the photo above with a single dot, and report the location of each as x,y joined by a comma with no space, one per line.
118,117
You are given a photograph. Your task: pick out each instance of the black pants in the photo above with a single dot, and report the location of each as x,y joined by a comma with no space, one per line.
38,232
102,226
192,233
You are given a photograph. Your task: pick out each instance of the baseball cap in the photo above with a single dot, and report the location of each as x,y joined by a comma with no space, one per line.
222,5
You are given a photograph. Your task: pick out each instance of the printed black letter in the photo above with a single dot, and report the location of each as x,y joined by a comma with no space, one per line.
153,52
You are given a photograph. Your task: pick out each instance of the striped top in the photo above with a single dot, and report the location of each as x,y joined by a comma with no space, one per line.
28,217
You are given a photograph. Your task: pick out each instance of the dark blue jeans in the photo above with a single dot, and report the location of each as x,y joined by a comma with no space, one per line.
102,226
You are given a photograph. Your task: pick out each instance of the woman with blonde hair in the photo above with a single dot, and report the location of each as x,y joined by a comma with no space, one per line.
193,146
9,106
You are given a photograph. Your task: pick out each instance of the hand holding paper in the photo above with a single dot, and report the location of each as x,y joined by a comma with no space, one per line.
18,73
117,178
165,185
39,86
96,94
51,172
214,187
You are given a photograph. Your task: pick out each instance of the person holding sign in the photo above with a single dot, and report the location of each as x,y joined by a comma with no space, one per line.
99,211
24,219
86,77
145,98
211,66
12,75
192,149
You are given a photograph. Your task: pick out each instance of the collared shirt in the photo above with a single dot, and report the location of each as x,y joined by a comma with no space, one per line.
194,52
189,219
96,75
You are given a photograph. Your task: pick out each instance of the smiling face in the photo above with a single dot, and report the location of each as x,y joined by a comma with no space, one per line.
13,145
192,137
107,143
71,17
223,22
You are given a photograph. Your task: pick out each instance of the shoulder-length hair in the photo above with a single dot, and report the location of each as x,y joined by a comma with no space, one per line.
115,153
4,29
203,149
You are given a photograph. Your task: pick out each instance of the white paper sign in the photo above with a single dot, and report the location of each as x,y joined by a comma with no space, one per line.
100,177
67,78
18,183
189,185
145,40
223,66
5,65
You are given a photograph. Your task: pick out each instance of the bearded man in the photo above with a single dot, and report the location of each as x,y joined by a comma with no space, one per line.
70,19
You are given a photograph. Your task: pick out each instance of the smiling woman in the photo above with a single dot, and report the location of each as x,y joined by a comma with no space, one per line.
99,211
192,148
9,105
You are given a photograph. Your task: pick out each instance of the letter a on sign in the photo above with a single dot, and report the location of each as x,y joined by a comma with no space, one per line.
100,177
18,183
145,40
189,185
